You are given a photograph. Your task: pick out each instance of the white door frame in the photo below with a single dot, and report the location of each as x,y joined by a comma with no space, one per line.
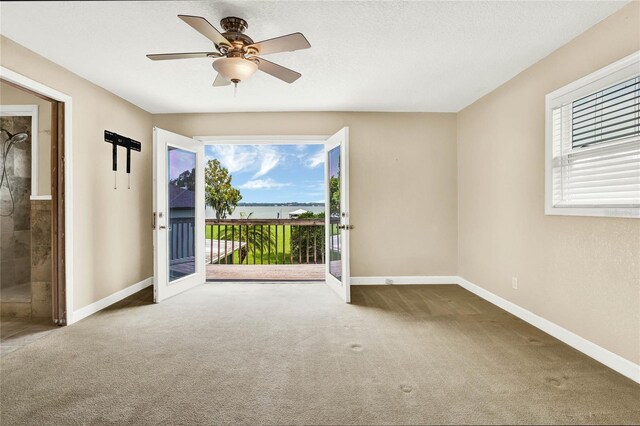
265,140
163,286
342,286
34,86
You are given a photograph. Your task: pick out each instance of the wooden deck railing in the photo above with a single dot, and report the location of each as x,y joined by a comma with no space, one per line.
181,237
266,241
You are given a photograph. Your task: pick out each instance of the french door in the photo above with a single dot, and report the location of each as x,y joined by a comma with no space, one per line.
337,213
178,217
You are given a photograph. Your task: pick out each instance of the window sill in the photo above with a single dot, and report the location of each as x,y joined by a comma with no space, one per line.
623,212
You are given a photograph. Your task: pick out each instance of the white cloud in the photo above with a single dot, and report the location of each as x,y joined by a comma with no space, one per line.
263,184
235,158
259,159
269,158
315,159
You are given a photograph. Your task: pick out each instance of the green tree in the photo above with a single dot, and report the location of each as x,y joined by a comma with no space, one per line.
334,195
187,180
307,239
219,194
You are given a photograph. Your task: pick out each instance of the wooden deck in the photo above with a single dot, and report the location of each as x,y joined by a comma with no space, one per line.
303,272
231,246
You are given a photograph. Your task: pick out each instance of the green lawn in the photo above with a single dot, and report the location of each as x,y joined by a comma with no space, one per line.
282,241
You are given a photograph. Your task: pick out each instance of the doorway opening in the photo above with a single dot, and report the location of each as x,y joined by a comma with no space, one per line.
32,243
265,212
180,226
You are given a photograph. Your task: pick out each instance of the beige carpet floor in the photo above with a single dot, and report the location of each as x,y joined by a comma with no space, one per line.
295,354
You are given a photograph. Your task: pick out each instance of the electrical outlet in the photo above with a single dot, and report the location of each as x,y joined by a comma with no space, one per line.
514,283
388,281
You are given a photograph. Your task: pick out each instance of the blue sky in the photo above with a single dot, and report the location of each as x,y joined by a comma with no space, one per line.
274,173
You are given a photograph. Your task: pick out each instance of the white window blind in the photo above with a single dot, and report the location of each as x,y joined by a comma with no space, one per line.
595,147
607,115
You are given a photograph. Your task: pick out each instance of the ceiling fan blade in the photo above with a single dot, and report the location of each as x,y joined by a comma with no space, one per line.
205,28
220,81
278,71
287,43
190,55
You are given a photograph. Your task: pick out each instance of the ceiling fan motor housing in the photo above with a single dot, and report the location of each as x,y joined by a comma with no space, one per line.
234,28
234,24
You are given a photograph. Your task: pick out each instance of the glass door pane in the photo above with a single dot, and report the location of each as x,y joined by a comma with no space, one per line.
181,194
335,251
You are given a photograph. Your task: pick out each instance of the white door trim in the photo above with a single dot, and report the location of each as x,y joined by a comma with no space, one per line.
264,139
34,86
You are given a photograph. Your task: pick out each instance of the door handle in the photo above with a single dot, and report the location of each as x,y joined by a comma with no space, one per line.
163,227
345,227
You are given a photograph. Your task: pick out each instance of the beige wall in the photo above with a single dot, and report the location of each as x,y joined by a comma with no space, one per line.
12,96
112,228
397,161
394,158
582,273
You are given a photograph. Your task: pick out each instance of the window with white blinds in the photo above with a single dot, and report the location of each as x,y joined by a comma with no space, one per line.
593,144
607,115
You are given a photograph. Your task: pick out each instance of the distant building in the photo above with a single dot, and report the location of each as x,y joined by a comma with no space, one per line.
182,202
296,213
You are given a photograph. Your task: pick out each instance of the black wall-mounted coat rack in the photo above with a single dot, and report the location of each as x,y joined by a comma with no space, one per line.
129,144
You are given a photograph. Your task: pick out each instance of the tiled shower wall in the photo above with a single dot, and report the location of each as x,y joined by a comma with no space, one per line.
25,236
41,258
15,230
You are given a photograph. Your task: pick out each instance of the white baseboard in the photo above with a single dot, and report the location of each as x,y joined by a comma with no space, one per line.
600,354
401,280
110,300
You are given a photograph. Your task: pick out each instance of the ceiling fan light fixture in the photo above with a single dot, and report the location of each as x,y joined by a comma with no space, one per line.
237,51
235,69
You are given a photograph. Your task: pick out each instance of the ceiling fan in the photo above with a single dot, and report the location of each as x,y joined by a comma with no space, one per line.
237,52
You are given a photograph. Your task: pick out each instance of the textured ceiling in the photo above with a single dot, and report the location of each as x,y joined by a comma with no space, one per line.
365,56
